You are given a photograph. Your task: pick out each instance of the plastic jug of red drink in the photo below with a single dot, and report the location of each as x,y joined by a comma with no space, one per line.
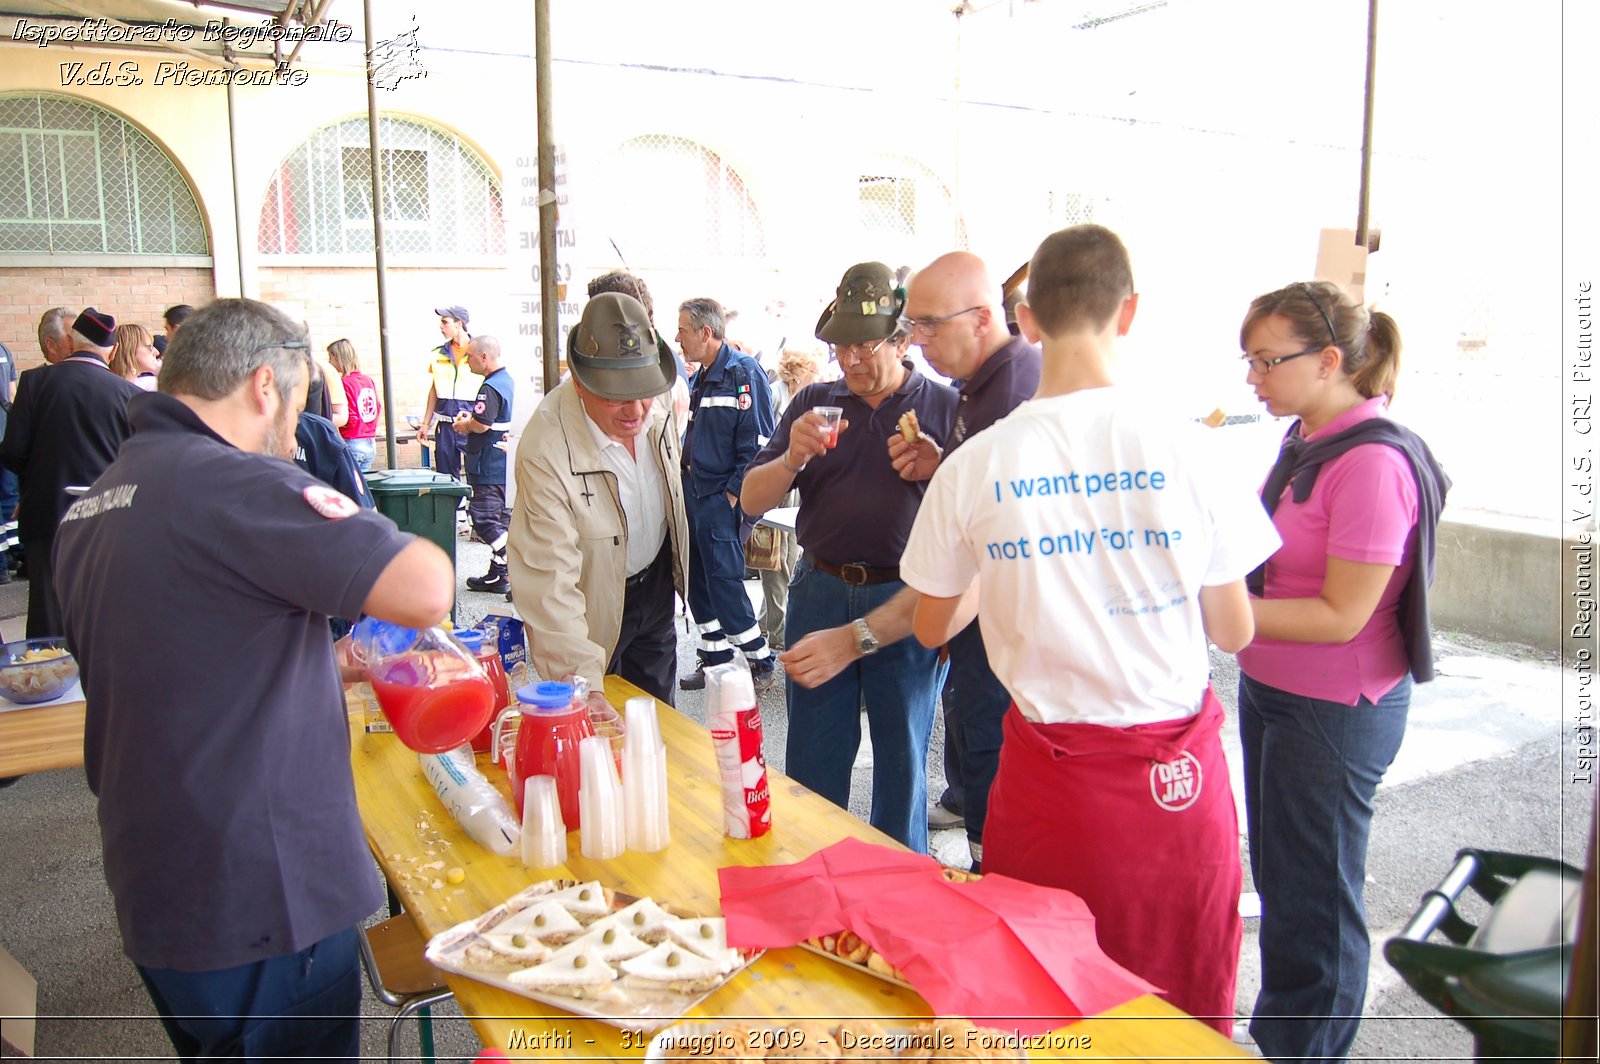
434,694
483,650
552,726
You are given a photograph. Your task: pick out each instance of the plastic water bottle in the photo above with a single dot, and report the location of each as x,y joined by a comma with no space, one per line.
472,800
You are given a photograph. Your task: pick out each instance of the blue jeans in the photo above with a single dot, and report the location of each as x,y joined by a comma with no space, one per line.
305,1004
900,687
1311,768
364,451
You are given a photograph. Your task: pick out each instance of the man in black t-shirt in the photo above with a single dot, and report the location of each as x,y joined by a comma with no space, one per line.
196,581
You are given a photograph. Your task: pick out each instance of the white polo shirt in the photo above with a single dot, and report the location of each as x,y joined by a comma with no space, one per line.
642,491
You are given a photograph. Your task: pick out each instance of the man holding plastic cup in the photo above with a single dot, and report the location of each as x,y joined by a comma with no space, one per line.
849,614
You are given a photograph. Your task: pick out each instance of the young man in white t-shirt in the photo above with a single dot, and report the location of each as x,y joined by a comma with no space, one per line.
1108,551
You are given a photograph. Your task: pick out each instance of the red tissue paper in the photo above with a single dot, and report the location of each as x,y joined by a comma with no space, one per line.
998,951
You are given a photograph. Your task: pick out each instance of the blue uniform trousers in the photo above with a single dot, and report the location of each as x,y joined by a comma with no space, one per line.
305,1005
450,446
717,598
975,704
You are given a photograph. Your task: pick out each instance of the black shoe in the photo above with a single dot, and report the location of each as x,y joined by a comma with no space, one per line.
694,681
5,574
764,674
491,582
508,594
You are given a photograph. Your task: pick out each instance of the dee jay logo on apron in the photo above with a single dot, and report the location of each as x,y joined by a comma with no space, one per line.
1175,785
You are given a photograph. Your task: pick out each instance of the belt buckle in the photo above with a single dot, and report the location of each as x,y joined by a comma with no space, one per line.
847,573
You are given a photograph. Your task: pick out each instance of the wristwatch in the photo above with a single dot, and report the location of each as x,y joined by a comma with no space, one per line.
866,642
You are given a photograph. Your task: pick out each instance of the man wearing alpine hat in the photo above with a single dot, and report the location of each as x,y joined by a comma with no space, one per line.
849,614
598,542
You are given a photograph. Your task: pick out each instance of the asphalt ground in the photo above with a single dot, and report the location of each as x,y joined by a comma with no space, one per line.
1487,762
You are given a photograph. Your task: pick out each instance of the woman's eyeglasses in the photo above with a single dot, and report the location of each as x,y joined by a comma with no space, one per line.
1263,366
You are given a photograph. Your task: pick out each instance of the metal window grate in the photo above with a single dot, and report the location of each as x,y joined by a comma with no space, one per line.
713,216
76,179
907,209
439,197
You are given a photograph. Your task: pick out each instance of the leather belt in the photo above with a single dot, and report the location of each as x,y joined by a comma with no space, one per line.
638,578
858,574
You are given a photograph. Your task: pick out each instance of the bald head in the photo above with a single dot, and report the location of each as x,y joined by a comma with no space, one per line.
956,313
483,355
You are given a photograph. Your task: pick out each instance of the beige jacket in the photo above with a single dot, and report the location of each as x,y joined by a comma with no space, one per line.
567,550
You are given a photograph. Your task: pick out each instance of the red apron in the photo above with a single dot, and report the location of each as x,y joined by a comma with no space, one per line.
1138,822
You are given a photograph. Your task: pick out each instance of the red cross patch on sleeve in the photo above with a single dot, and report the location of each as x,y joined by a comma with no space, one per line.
334,505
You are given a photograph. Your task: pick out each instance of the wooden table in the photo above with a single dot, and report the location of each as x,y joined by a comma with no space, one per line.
41,738
407,827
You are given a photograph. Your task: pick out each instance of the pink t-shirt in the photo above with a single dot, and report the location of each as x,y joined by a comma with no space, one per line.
364,407
1362,509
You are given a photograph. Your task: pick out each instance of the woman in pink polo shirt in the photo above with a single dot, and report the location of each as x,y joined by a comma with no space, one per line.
1341,633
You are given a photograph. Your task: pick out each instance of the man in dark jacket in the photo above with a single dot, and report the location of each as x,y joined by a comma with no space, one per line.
65,428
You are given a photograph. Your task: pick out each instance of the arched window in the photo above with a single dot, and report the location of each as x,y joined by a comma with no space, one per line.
440,200
698,211
77,180
906,208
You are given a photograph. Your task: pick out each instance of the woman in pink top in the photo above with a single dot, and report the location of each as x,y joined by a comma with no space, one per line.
361,424
1326,684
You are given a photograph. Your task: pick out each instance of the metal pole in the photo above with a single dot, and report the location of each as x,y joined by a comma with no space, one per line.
548,306
1366,124
377,236
238,204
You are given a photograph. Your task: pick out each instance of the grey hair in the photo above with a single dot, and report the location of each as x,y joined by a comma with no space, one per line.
705,312
225,341
82,342
54,324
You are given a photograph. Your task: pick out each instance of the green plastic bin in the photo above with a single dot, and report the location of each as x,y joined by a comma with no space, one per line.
420,501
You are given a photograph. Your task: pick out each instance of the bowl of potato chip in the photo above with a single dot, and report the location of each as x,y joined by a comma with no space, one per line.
36,670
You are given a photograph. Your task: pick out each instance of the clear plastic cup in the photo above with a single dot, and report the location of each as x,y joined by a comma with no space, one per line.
830,420
544,835
607,725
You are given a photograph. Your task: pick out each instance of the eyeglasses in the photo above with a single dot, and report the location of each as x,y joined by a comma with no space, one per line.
1333,337
1263,366
927,327
836,352
286,345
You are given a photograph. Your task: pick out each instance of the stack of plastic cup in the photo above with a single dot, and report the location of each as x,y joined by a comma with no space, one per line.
607,724
601,834
644,778
544,836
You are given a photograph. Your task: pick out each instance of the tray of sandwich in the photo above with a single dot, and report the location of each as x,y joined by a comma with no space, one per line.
594,952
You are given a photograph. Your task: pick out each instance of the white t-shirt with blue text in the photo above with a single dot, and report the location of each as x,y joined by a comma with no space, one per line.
1092,526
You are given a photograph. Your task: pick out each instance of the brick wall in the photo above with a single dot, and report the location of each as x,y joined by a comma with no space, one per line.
131,294
343,302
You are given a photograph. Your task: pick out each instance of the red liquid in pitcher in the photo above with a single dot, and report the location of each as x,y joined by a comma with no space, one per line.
432,718
547,745
490,660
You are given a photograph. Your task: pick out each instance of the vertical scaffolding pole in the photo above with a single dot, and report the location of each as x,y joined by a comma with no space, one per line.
550,326
1366,125
377,237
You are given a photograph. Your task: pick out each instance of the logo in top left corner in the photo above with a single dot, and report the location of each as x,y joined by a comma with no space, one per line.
334,505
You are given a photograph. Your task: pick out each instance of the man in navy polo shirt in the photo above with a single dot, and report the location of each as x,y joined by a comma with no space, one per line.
958,320
196,582
849,614
484,428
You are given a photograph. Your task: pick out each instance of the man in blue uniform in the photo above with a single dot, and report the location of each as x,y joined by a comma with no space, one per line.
196,583
452,387
730,419
484,427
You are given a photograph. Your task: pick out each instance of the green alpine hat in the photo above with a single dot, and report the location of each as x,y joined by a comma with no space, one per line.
615,352
869,306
